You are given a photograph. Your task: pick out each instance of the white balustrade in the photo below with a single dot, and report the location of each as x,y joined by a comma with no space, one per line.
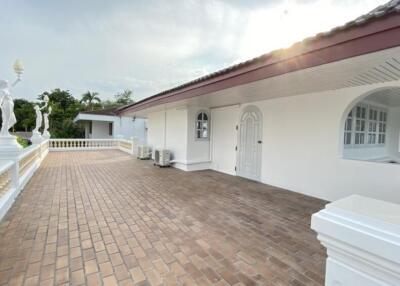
16,170
5,177
91,144
15,173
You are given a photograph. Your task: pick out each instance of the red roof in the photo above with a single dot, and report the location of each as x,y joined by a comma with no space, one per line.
374,31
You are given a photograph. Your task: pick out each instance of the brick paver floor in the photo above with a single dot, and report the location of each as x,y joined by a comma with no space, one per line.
103,217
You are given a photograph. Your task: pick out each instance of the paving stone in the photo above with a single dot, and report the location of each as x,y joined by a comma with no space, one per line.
104,217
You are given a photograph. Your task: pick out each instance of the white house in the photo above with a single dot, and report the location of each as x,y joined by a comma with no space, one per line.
320,118
106,124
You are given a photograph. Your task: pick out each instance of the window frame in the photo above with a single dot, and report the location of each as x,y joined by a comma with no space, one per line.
110,128
201,129
369,129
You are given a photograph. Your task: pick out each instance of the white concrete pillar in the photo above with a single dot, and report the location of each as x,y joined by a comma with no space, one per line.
36,138
362,238
10,151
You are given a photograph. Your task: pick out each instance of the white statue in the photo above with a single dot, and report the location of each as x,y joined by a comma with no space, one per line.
7,109
46,133
9,147
38,119
36,135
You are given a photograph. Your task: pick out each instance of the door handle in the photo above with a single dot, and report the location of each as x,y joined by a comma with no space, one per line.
259,142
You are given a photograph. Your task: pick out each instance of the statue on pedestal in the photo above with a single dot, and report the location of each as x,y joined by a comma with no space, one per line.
7,109
46,133
36,135
8,143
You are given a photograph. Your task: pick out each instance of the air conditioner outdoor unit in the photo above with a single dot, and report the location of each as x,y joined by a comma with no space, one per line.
162,157
144,152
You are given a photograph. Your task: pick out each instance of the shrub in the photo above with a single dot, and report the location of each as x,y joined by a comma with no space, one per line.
23,142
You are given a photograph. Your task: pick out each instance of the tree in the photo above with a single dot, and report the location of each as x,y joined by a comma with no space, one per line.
24,114
62,98
124,97
65,108
89,98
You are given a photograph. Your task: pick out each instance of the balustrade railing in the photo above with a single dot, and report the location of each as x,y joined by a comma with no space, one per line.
5,177
65,144
15,173
91,144
28,158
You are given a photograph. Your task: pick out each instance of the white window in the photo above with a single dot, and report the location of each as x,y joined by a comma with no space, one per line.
202,124
361,114
365,126
382,127
372,125
110,128
348,129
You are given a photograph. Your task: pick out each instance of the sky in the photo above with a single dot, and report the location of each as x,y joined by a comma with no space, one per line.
148,46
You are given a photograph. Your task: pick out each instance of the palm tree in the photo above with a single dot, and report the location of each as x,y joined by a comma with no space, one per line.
88,98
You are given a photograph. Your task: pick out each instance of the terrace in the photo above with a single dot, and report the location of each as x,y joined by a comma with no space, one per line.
93,217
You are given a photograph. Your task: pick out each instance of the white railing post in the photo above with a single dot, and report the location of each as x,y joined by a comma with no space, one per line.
362,238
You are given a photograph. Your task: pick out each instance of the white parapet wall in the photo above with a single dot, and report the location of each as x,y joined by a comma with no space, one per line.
16,172
362,238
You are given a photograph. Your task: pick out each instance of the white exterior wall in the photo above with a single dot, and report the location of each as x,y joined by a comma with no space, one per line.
302,149
166,129
124,127
224,138
174,129
100,130
176,138
129,128
156,129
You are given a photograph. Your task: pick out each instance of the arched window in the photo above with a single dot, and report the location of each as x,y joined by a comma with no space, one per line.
202,126
371,127
365,126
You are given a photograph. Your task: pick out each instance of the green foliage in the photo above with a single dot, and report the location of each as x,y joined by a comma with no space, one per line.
62,98
23,142
25,115
65,108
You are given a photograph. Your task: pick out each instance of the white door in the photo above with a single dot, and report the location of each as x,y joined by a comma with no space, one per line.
250,144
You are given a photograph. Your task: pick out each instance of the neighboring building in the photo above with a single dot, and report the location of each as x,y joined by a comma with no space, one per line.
106,124
320,118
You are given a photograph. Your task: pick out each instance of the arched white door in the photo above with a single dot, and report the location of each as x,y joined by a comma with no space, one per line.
250,144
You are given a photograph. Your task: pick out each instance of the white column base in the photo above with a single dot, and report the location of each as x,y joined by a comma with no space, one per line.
362,237
36,138
9,147
46,135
